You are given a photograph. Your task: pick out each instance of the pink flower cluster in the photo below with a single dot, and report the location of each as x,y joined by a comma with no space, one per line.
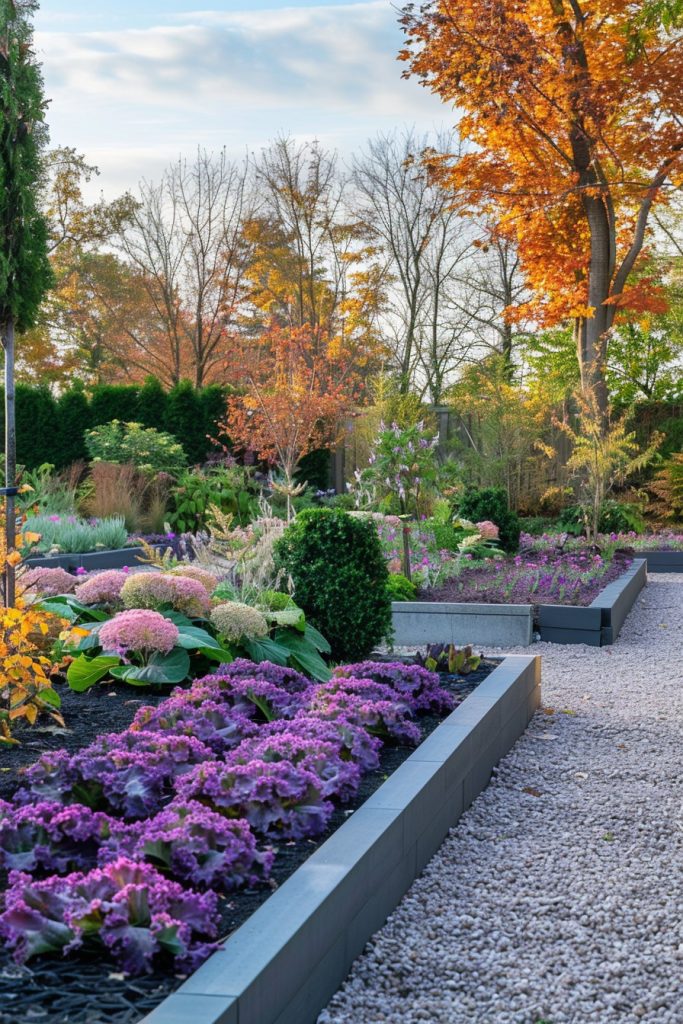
138,630
48,582
155,590
102,588
488,530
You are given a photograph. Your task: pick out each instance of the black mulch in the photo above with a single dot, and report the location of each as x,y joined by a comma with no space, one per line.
89,990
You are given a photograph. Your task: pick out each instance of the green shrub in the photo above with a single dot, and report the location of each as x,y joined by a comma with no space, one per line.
214,402
36,416
340,578
615,517
490,503
229,488
73,419
113,402
152,404
400,587
149,450
185,420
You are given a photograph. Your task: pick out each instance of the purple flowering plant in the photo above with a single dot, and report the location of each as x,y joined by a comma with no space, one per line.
182,798
129,908
276,798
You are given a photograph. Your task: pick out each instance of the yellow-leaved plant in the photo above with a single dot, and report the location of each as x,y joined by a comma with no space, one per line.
25,687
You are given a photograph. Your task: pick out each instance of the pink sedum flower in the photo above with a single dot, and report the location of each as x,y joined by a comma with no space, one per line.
139,630
102,588
155,590
488,530
49,582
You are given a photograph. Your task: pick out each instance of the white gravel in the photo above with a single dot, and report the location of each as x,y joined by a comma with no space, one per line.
557,898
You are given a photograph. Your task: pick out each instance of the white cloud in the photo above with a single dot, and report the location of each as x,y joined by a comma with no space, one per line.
228,78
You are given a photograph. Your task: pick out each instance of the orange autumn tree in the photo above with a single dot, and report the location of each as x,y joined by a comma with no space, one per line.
573,111
296,391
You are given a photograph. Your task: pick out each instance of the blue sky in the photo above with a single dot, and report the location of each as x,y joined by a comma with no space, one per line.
134,84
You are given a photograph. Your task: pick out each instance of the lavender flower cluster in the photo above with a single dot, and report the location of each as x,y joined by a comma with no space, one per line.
125,843
551,575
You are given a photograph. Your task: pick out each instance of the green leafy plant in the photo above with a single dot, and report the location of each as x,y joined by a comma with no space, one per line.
615,517
400,588
449,658
228,488
491,503
339,574
603,455
149,450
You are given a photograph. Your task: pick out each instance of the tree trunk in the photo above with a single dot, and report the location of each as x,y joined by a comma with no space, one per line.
10,459
591,332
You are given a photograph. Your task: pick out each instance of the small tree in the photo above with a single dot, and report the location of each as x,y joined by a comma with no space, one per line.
602,458
152,404
25,272
292,404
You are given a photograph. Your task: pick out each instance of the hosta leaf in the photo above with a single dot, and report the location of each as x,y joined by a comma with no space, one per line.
85,672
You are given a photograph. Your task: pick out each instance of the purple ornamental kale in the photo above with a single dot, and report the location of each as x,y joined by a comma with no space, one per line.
195,845
276,799
219,726
279,675
129,908
354,742
244,695
412,684
339,778
133,780
360,703
46,836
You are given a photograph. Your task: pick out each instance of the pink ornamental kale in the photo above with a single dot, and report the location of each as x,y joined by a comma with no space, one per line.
279,675
413,685
360,703
46,836
219,726
276,799
139,917
339,778
143,632
355,744
244,695
102,588
128,774
196,846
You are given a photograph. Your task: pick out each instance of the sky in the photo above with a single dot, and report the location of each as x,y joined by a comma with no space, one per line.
134,84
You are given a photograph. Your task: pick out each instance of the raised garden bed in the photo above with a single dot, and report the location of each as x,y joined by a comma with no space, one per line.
506,625
286,961
663,561
598,625
428,622
91,561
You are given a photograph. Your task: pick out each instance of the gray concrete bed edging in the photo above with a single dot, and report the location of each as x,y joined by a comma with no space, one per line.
663,561
117,558
600,623
286,961
430,622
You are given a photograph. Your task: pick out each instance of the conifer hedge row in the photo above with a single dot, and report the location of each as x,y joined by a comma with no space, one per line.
51,429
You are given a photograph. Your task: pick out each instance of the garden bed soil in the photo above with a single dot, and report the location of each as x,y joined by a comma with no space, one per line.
80,990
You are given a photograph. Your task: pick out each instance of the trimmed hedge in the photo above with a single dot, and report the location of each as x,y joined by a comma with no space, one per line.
340,579
52,429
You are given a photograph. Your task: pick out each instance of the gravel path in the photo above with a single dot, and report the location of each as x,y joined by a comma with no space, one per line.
557,899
